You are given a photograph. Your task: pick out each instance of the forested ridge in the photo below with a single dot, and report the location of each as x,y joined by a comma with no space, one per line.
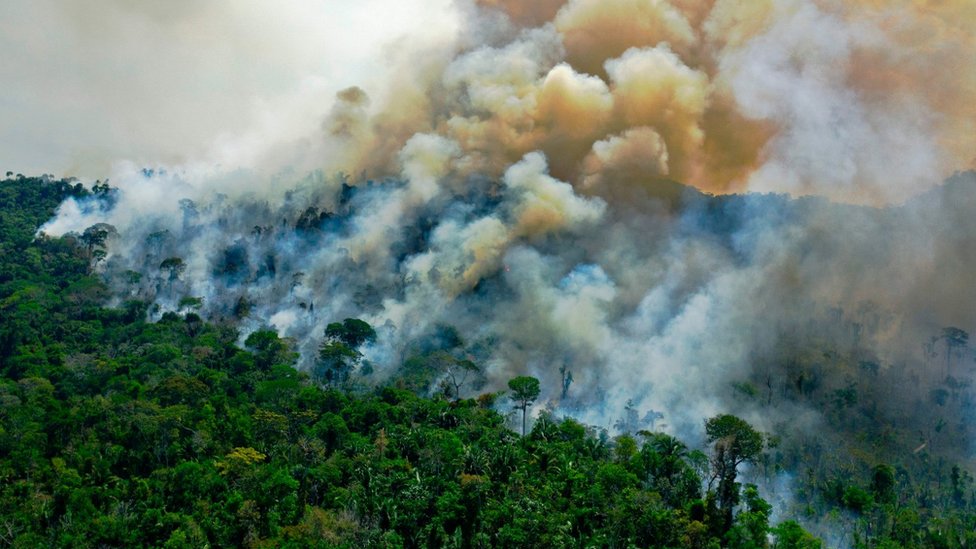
120,432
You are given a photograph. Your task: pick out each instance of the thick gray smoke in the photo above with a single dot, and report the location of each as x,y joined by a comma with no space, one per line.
518,187
668,305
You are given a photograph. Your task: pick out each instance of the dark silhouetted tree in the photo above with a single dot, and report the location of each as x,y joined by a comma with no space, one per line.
954,338
173,267
458,372
94,239
883,484
525,389
567,380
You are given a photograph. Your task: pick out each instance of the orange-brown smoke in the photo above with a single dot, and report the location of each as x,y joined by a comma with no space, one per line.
526,14
868,101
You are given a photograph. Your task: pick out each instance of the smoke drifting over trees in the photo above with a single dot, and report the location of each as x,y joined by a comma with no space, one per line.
520,186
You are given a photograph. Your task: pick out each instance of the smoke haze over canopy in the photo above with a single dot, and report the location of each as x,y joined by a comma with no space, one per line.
514,169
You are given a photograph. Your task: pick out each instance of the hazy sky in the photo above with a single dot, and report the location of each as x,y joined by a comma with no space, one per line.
87,83
859,101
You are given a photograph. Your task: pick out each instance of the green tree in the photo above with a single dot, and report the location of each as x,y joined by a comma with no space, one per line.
94,238
336,361
790,535
734,443
752,524
525,389
269,349
351,331
883,484
339,353
664,465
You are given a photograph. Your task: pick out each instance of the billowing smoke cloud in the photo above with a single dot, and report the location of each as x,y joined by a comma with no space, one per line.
522,183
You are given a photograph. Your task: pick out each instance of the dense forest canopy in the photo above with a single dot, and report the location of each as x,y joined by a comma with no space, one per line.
118,430
549,273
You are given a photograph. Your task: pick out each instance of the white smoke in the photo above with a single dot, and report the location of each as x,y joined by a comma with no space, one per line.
514,182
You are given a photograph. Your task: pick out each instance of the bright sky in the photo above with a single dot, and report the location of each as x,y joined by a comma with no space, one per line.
89,82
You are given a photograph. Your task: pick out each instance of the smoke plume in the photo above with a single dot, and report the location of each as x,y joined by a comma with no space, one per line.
524,181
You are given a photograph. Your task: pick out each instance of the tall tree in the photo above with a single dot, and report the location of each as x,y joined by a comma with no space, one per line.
735,442
457,372
94,238
525,389
351,331
339,353
96,235
173,267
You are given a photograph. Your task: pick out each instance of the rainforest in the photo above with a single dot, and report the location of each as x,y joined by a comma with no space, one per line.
488,273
